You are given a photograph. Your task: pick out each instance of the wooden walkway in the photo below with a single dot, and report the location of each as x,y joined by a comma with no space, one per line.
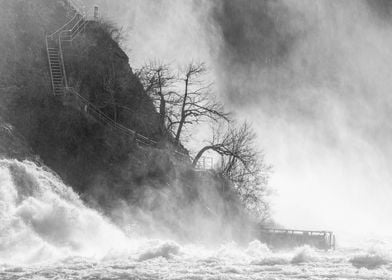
289,238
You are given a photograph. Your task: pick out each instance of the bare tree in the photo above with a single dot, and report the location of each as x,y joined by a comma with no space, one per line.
110,98
196,102
158,80
243,164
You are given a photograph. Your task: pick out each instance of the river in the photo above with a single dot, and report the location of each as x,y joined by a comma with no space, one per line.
46,232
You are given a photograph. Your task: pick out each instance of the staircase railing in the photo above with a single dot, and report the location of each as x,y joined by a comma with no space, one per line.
65,80
99,115
64,27
67,33
50,66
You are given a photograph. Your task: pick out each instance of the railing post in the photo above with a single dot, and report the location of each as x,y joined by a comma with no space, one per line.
96,13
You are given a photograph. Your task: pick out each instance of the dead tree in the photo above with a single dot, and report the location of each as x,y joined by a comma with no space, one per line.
196,102
243,164
158,80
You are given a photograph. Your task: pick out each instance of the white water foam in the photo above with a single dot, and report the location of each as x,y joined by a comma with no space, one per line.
46,231
42,219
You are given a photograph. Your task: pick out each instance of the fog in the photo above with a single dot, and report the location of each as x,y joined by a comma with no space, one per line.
312,76
316,76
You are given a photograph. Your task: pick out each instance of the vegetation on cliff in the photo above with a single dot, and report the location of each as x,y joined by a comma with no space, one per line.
107,168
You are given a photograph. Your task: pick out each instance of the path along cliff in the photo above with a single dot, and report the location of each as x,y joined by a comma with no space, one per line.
148,185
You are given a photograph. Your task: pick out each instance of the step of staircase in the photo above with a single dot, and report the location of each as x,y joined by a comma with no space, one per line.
53,51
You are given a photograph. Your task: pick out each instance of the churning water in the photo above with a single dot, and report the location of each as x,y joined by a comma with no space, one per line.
46,232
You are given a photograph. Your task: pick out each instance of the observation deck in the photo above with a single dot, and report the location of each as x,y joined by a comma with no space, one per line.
289,238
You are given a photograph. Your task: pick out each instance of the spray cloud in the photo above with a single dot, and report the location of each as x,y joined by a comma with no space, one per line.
316,75
314,78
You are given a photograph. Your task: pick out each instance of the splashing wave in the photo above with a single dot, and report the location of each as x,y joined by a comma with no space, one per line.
46,230
41,218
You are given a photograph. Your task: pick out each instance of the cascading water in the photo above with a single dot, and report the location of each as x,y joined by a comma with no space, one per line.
42,219
46,231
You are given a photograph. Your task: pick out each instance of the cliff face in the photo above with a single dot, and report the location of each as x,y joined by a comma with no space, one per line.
105,167
68,140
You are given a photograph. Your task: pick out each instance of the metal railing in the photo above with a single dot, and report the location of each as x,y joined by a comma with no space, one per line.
205,163
66,26
292,237
49,61
99,115
68,32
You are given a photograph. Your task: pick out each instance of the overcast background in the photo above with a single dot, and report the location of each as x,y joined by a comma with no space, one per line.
313,76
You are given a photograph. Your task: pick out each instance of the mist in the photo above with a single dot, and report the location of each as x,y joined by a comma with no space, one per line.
312,76
315,75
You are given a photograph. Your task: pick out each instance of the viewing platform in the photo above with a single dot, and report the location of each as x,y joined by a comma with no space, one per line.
289,238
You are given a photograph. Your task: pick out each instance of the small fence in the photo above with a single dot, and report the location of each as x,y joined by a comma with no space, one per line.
205,163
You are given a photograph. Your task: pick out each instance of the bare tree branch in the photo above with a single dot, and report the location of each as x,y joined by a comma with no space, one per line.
157,79
196,102
242,163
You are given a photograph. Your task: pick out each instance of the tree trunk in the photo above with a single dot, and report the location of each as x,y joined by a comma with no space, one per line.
182,119
162,111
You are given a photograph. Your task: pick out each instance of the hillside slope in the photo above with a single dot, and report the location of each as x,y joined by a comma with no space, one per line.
127,181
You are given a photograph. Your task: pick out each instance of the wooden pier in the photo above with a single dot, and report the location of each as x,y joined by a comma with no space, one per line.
289,238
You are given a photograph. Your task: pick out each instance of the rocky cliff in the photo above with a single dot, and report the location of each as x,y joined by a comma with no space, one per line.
149,185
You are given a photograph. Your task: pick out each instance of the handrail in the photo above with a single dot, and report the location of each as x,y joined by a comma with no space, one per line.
62,62
62,28
102,116
295,231
76,26
50,66
68,34
79,25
